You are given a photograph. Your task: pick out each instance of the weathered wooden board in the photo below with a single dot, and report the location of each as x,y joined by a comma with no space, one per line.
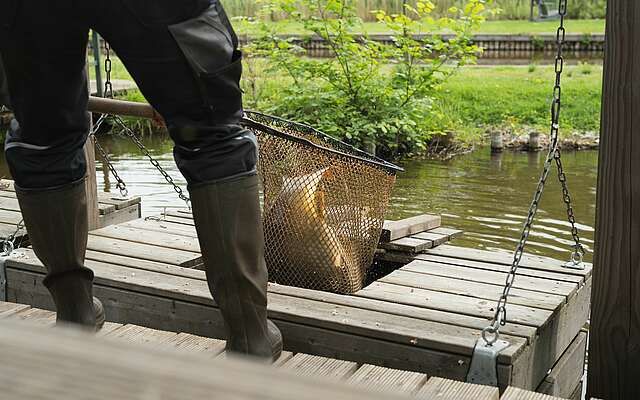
420,319
381,379
335,330
308,365
143,251
411,245
126,371
119,216
528,260
393,230
566,374
445,389
542,285
513,393
155,238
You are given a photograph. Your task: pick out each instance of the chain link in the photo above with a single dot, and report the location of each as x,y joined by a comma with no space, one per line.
108,92
122,187
134,138
491,333
9,244
108,86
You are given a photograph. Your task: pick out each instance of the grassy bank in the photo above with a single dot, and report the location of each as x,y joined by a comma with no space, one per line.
573,26
511,97
517,97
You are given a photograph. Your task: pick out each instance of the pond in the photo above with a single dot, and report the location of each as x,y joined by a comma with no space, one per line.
485,195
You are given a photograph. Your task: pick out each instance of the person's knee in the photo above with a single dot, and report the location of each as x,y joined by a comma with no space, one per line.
41,166
218,154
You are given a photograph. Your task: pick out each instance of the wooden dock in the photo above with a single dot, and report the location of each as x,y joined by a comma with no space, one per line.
112,210
129,362
424,317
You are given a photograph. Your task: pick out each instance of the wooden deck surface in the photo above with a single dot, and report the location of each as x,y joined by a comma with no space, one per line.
112,209
130,362
424,317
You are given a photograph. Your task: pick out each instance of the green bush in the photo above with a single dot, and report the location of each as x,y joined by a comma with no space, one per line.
376,96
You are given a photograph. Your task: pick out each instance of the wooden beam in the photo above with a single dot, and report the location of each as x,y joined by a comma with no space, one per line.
614,347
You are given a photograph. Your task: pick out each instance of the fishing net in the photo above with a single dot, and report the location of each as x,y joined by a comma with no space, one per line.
324,205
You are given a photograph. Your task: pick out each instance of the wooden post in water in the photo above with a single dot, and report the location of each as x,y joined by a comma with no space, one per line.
614,350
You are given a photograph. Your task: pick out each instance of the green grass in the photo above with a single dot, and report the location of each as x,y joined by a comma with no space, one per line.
478,96
577,26
520,96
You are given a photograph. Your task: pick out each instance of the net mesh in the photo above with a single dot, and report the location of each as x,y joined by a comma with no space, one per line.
324,205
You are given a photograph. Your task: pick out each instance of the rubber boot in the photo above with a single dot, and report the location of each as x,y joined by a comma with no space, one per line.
229,226
56,222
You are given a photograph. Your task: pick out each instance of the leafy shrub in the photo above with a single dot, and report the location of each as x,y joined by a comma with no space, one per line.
374,95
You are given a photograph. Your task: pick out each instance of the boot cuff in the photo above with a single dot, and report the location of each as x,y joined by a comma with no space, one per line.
84,274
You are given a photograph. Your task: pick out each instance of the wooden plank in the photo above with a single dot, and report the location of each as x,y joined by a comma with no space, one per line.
393,230
436,238
36,315
522,271
120,216
197,344
117,201
10,309
309,365
9,203
568,371
493,277
528,260
453,303
381,379
137,263
163,226
446,389
513,393
473,289
450,232
108,327
331,298
178,315
10,217
105,209
388,327
411,245
532,366
138,334
143,251
125,371
159,239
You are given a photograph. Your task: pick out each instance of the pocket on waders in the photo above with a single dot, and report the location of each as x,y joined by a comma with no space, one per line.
210,48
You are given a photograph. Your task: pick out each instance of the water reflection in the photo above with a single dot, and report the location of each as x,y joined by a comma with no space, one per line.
486,195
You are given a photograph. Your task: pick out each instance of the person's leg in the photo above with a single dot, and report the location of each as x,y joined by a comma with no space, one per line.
43,51
165,44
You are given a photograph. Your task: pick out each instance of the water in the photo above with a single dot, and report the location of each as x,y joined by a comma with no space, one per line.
487,196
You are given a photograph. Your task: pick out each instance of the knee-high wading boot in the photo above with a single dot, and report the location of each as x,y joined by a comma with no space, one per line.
56,222
227,218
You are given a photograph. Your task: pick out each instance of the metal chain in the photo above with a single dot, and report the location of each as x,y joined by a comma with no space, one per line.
108,87
108,92
134,138
491,333
9,244
122,187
